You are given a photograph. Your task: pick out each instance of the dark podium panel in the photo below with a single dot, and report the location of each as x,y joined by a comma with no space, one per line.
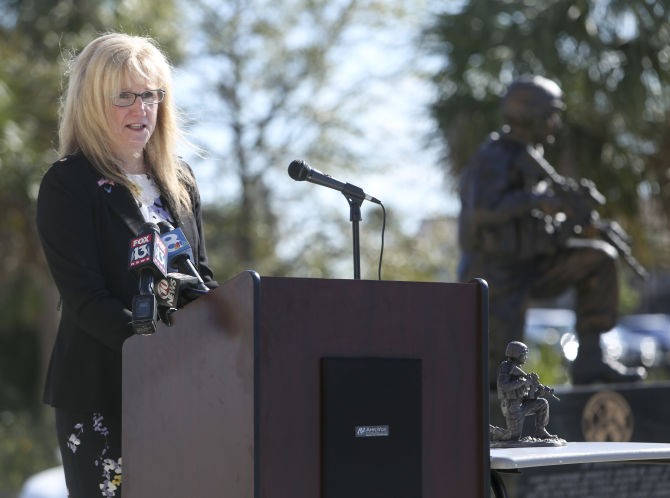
371,427
284,387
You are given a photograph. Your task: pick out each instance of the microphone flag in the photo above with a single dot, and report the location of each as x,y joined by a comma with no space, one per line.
148,251
177,245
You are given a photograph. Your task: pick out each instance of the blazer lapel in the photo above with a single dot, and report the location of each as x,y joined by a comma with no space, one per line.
122,202
187,226
186,223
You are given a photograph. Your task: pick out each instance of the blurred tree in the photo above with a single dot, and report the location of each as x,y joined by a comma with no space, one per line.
612,59
280,81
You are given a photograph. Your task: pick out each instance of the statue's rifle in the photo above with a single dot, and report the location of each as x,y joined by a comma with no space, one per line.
536,387
581,200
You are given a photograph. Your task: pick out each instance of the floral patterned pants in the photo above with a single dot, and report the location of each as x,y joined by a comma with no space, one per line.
90,446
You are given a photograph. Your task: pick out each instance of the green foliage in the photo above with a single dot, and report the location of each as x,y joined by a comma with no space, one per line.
429,255
549,364
27,445
629,295
19,375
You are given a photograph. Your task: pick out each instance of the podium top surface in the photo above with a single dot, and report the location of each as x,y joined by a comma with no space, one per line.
579,452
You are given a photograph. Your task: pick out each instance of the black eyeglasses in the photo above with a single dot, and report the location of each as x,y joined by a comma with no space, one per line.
126,99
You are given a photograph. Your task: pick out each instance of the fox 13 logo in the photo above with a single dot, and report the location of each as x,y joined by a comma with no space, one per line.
147,249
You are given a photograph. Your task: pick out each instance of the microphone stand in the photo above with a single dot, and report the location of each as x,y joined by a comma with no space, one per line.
355,216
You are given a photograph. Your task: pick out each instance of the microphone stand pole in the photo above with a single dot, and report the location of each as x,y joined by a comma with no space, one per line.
355,217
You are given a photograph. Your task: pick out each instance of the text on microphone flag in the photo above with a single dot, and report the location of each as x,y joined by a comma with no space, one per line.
176,242
148,248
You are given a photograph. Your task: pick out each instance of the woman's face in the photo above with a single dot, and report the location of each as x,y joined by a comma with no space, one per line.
133,125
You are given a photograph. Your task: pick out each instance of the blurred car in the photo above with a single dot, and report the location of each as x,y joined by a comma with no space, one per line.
556,327
630,348
49,483
656,325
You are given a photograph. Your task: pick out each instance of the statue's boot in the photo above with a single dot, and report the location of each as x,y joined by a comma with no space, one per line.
591,367
543,434
499,434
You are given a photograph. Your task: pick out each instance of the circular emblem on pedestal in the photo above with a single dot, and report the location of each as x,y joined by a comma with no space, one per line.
607,416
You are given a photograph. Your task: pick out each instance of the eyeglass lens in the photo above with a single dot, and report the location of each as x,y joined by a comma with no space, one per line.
125,99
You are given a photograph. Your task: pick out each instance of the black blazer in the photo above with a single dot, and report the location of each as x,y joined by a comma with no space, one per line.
85,224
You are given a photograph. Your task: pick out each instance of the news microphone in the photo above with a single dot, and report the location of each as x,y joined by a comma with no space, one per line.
299,170
169,289
147,256
180,255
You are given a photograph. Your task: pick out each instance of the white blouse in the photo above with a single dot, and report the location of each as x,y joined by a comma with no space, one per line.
150,202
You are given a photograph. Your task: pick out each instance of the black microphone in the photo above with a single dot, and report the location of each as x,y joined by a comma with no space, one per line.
299,170
148,256
180,253
170,289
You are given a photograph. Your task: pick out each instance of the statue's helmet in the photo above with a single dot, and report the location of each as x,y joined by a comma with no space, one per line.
517,351
530,100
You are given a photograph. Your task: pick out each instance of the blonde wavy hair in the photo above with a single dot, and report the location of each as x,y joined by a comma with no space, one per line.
97,74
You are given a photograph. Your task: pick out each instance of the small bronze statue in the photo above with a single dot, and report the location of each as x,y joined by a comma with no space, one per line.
520,395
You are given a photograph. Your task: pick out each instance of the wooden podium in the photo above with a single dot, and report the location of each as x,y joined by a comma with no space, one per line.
234,399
